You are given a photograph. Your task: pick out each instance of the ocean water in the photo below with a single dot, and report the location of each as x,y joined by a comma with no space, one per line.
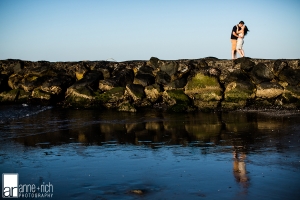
94,154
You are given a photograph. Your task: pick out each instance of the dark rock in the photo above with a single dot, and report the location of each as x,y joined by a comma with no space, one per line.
57,85
90,80
124,77
236,75
108,84
162,78
4,82
153,62
246,64
170,67
80,70
177,84
199,64
289,75
145,70
261,73
135,91
278,66
11,66
82,92
144,79
291,97
103,67
23,96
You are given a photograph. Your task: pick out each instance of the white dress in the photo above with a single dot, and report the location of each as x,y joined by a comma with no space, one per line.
240,42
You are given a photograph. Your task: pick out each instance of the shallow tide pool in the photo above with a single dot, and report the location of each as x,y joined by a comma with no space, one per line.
92,154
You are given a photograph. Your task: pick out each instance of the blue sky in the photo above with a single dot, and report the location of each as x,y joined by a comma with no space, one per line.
73,30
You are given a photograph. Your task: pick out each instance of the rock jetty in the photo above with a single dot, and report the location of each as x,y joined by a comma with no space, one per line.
184,85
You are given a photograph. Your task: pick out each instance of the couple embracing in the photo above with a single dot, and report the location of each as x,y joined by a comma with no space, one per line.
237,39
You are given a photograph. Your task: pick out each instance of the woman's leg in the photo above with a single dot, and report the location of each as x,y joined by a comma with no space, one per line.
243,52
240,52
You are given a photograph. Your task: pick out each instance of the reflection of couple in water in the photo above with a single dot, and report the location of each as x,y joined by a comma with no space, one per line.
239,168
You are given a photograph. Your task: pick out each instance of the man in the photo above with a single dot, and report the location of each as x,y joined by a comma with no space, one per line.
234,37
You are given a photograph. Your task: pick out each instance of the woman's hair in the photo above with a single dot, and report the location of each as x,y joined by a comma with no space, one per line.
246,30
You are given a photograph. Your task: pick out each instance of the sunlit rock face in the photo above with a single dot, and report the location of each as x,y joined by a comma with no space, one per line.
184,85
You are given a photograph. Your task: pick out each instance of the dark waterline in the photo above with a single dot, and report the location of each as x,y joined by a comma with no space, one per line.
151,155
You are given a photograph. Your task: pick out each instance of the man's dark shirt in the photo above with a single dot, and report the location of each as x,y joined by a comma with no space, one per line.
232,36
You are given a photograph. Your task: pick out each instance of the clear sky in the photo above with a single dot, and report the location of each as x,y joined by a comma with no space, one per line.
73,30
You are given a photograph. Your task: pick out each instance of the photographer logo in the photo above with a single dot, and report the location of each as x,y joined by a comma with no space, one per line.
12,189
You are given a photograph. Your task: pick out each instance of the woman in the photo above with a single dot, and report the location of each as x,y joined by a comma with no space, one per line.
240,41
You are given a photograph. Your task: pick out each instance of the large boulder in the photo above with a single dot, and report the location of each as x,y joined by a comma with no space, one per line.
261,73
246,64
162,78
269,90
144,79
289,75
204,90
57,85
82,92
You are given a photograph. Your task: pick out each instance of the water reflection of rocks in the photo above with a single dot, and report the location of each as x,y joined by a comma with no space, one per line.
247,130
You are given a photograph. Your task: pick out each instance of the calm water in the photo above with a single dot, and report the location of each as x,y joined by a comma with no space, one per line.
90,154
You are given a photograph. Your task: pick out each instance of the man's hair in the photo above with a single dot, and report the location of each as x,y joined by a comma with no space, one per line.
241,22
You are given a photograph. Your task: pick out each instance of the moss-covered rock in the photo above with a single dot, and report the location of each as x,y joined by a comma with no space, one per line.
237,94
111,98
9,96
39,94
204,90
82,97
176,100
